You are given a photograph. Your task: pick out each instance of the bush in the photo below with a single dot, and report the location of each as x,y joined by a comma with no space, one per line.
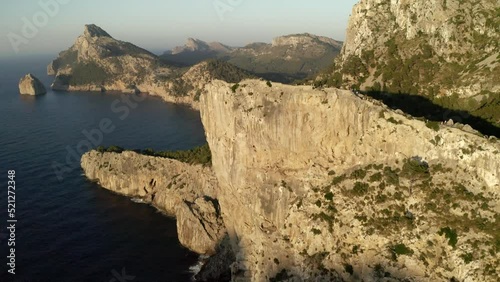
329,196
114,149
415,168
349,269
235,87
360,188
269,83
434,125
400,249
198,155
315,231
450,234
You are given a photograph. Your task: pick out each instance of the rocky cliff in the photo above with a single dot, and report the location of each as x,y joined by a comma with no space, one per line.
30,85
98,62
446,51
184,191
318,185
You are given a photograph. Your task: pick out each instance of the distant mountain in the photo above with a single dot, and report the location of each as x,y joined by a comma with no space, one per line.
195,51
286,59
98,62
444,51
96,59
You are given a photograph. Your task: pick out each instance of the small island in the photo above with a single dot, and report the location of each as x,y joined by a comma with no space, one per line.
30,85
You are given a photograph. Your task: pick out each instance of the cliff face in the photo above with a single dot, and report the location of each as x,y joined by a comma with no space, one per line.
180,190
446,51
319,184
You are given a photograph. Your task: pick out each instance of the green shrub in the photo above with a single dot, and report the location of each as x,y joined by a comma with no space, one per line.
468,258
400,249
450,234
114,149
235,87
434,125
358,174
329,196
315,231
360,188
349,269
198,155
376,177
415,168
269,83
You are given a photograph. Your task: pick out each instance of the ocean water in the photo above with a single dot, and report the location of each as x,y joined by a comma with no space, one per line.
68,228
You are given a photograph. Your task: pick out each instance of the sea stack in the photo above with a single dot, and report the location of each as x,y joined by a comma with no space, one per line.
30,85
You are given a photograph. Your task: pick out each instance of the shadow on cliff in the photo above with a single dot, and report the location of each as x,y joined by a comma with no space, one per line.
419,106
221,267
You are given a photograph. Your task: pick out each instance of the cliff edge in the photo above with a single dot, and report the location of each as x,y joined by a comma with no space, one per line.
320,184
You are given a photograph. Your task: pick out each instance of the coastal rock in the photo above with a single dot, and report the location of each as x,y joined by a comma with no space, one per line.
180,190
299,170
30,85
322,185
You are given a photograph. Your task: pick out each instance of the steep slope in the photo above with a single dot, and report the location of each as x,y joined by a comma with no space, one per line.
98,62
446,51
321,185
286,59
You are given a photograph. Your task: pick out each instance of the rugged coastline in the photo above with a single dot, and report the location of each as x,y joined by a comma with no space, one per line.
318,184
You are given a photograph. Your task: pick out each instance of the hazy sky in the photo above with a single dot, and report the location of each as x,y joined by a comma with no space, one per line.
50,26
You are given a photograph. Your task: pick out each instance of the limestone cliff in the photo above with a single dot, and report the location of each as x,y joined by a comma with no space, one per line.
318,184
184,191
99,62
30,85
446,51
322,185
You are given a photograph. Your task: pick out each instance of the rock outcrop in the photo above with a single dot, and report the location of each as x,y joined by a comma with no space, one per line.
98,62
184,191
446,51
320,184
30,85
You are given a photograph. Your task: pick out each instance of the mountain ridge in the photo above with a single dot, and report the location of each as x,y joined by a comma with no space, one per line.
285,59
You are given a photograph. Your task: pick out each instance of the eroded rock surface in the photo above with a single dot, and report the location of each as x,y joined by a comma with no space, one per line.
180,190
30,85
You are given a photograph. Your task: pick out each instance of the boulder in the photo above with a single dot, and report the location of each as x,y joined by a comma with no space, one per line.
30,85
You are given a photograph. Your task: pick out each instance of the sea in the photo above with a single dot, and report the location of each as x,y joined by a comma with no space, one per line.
65,227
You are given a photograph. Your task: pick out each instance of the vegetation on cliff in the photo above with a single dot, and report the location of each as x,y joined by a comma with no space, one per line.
449,56
199,155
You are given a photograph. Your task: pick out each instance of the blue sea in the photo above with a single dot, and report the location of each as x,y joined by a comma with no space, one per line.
68,228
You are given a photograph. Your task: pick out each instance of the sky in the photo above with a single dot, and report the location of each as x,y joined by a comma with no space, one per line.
49,26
